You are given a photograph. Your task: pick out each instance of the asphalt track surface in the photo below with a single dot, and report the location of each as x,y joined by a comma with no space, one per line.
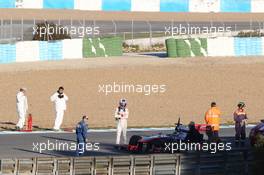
22,145
49,14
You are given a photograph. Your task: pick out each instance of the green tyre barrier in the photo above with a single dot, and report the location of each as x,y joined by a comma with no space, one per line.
102,47
171,48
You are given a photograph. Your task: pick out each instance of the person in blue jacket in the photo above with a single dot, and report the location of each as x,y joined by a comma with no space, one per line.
81,133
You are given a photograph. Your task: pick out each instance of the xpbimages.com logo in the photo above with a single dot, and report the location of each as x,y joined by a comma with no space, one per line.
208,147
64,146
188,29
146,89
50,29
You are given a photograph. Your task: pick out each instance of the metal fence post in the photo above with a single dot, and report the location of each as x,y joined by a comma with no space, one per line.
179,165
22,29
224,26
110,166
132,31
84,24
35,164
94,166
115,27
11,28
235,28
94,25
152,163
55,166
150,33
132,168
16,167
72,166
1,29
259,28
250,27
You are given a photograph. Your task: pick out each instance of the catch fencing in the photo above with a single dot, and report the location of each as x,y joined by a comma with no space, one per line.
141,5
23,30
227,163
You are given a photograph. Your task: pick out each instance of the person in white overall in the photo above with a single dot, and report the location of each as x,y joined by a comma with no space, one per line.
22,107
59,98
121,116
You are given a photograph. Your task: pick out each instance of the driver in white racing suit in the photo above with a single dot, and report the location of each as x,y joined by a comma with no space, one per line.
22,107
121,116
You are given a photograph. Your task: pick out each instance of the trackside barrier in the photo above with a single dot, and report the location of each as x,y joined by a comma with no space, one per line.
141,5
192,163
186,47
221,46
28,51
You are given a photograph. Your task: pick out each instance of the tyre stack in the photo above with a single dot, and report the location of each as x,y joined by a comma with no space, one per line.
183,48
199,46
171,48
88,48
102,47
113,46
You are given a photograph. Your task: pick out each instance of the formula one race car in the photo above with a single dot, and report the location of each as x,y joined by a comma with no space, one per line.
257,130
157,143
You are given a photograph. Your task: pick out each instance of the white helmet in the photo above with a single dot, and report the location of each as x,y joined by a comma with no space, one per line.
123,102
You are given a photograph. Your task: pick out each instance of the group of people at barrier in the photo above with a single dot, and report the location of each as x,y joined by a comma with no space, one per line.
59,98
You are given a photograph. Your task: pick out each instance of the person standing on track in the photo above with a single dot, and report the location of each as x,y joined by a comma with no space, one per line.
22,107
81,134
121,116
240,118
212,118
59,98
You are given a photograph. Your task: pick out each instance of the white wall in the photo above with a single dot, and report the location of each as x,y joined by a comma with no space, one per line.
88,4
145,5
257,6
31,4
222,46
72,48
27,51
204,5
262,45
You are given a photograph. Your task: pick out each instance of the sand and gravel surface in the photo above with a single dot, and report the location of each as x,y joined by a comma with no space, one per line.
191,84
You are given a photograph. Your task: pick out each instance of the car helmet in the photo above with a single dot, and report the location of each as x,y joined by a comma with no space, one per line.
123,103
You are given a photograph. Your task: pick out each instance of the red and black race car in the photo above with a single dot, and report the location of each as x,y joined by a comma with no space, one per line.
157,143
258,129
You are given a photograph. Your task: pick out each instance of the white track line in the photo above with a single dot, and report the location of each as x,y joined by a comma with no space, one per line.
108,130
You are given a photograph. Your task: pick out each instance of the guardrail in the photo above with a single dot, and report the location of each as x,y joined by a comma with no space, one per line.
233,162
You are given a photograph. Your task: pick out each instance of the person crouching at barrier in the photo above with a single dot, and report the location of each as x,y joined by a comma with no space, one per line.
22,107
212,119
121,116
81,134
240,118
193,134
